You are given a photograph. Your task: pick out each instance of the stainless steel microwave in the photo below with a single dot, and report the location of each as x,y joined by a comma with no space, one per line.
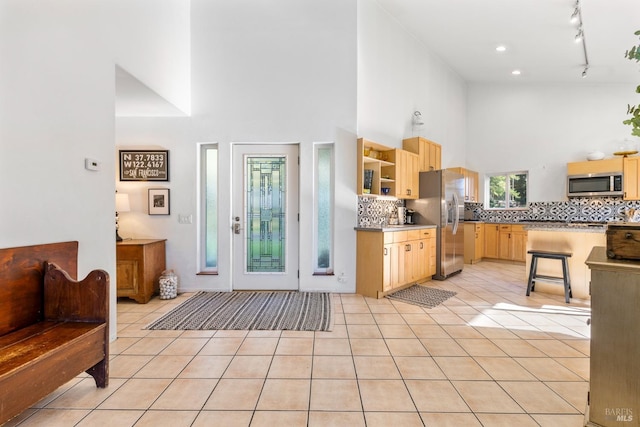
595,184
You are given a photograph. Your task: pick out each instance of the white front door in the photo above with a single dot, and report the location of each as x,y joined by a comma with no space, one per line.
265,217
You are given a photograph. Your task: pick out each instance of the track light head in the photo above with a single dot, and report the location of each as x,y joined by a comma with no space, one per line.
584,72
575,16
579,36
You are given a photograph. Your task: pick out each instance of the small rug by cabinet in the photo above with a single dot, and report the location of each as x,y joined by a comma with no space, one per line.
422,295
297,311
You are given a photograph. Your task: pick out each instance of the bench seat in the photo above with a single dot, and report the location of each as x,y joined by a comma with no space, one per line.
52,327
39,358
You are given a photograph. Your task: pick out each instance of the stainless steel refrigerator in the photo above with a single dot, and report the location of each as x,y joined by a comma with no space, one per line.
441,203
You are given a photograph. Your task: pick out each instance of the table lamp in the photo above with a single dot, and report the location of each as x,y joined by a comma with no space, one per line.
122,205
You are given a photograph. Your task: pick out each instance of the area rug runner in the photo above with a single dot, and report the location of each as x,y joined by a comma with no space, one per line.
297,311
422,295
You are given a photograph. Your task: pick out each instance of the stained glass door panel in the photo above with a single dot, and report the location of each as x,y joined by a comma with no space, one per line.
265,216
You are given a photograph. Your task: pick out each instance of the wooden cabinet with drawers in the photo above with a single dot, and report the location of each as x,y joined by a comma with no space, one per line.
387,261
505,241
139,264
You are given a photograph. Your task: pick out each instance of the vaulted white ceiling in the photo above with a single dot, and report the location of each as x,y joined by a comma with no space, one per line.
537,33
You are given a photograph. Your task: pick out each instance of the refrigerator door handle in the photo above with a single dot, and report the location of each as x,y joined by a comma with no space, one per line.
444,213
456,214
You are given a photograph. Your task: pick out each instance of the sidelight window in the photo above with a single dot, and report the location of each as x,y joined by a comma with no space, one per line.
209,208
323,201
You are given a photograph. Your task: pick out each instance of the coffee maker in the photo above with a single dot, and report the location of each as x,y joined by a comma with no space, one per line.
409,216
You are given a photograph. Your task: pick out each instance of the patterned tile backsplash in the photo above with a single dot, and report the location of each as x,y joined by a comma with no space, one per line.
372,212
591,209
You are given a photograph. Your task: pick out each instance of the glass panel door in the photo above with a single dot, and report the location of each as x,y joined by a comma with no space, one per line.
265,216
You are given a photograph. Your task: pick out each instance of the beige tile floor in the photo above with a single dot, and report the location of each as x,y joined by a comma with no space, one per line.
490,356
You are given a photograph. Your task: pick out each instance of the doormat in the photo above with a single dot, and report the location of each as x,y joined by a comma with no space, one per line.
422,295
243,310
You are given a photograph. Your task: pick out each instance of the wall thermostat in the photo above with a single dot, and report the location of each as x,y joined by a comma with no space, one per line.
91,164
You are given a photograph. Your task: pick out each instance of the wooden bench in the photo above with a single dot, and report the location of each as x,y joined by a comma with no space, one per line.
52,327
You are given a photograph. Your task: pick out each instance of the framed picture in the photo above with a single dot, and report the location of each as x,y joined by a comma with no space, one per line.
144,165
159,201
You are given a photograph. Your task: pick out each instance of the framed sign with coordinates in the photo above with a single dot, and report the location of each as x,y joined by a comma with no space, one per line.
144,165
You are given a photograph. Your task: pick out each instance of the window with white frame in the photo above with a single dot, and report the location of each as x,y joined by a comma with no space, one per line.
209,208
323,208
507,190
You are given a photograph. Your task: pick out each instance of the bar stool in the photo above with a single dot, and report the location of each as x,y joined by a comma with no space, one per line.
565,280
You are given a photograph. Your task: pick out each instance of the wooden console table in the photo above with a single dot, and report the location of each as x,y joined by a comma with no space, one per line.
139,263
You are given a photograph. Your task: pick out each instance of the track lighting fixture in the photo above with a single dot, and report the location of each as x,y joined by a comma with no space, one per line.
576,18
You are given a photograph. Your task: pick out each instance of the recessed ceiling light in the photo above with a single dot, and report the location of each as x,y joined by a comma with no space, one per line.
501,48
516,72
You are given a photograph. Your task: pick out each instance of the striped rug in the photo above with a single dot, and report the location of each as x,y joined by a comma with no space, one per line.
296,311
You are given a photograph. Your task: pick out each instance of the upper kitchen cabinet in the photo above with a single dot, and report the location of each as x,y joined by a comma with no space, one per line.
631,178
470,183
429,153
404,173
372,159
595,166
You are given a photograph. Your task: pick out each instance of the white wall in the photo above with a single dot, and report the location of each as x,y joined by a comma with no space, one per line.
56,109
150,40
282,71
398,75
540,128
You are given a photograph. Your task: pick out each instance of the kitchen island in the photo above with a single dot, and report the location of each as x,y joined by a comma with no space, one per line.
561,237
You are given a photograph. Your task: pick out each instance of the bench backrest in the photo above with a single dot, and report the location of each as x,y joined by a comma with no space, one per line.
22,281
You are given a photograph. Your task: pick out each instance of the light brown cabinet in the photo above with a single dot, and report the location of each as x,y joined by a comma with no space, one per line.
139,264
387,261
505,241
596,166
470,183
404,173
473,242
631,178
375,157
429,153
491,240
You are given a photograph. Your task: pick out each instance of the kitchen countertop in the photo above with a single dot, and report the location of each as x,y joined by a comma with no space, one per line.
402,227
554,226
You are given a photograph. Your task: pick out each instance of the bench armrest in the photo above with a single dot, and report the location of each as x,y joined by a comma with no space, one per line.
66,299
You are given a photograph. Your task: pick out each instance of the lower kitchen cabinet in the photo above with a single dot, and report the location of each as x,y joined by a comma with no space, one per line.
491,240
473,242
505,242
139,264
387,261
